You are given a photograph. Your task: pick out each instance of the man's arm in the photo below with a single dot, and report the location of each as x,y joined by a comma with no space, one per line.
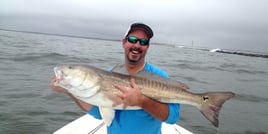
155,108
83,105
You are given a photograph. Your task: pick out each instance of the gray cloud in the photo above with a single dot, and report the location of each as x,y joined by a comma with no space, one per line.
234,24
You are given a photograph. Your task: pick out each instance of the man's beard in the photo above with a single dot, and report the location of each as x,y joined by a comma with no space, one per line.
133,62
135,51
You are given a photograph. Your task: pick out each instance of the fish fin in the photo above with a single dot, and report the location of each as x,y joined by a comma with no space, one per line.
107,115
150,75
211,105
116,67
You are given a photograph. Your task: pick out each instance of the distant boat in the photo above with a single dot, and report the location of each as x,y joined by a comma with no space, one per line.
215,50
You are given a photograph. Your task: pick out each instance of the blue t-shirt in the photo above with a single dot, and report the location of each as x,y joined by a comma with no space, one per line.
139,121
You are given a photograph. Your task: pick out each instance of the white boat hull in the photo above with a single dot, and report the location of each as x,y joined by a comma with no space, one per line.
89,125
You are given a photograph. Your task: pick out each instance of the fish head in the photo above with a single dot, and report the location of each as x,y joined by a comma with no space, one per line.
69,76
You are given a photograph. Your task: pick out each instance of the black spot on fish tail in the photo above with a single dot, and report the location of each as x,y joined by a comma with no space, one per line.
205,98
211,105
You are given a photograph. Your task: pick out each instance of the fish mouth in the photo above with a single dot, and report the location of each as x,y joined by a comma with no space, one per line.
59,74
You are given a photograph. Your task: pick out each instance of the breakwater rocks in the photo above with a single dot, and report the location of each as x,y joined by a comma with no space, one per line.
243,53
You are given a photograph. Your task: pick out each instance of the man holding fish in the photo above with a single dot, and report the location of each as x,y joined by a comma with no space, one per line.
149,118
134,97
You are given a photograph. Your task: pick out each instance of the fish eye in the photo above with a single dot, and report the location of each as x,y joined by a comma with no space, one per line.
70,67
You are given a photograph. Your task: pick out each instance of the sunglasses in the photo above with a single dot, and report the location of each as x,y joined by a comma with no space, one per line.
133,39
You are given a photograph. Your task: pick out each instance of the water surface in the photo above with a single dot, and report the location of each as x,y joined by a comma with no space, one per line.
28,106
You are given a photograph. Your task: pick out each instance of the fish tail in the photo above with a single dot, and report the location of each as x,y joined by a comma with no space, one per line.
211,105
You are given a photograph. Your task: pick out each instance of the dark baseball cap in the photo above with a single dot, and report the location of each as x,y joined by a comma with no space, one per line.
142,26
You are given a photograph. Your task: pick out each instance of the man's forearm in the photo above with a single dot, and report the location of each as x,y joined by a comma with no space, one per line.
156,109
83,105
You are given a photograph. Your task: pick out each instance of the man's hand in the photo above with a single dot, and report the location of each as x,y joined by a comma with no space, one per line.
83,105
132,96
56,88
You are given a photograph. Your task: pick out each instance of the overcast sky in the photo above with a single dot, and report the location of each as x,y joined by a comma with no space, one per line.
234,24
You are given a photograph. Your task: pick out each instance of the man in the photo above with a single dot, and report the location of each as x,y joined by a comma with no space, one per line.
147,120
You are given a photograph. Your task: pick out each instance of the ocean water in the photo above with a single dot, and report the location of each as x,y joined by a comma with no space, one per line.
28,106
